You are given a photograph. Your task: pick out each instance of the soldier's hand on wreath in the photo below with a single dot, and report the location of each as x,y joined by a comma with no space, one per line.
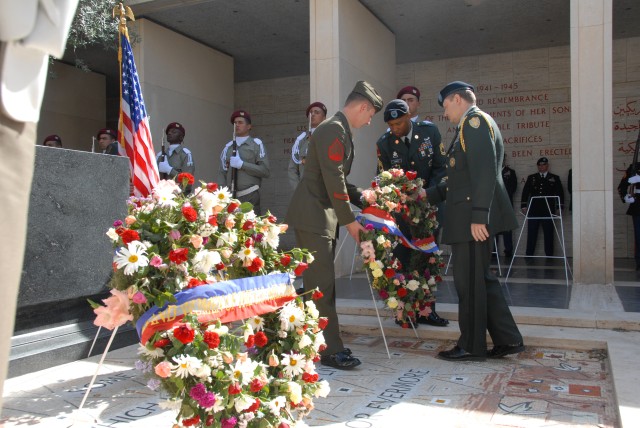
479,231
628,199
635,179
354,229
164,167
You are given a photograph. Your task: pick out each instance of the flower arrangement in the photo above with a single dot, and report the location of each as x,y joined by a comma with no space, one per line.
222,330
407,290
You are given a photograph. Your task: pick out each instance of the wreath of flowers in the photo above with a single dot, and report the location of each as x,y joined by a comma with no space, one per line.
407,290
254,373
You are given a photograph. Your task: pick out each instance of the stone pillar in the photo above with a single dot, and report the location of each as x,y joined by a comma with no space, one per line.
591,141
348,44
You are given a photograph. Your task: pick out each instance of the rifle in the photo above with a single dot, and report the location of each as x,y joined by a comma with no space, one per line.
634,167
163,157
234,171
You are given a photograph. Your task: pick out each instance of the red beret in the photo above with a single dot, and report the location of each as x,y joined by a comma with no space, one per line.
411,90
107,131
240,113
52,137
174,125
319,105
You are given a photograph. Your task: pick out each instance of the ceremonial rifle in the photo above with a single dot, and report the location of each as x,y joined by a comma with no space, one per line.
163,157
631,190
234,171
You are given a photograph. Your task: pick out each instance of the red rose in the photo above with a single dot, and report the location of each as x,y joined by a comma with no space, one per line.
212,339
261,339
184,333
438,278
220,266
256,265
235,389
213,220
317,295
383,294
272,218
194,282
120,230
184,178
179,255
248,243
248,225
283,425
212,187
402,292
309,378
411,175
250,341
300,268
191,421
285,260
129,235
374,184
254,406
322,347
256,385
161,343
323,322
232,207
210,417
189,213
389,273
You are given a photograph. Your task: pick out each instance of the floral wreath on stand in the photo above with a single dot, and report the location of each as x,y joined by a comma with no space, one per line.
186,268
407,290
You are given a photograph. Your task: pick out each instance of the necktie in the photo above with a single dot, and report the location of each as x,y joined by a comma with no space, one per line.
407,142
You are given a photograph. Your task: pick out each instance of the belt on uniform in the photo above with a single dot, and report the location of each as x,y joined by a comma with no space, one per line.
246,191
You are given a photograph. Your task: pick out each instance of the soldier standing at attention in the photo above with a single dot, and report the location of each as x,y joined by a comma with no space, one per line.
543,183
411,95
178,158
52,141
320,205
412,146
107,141
478,208
250,160
316,113
510,183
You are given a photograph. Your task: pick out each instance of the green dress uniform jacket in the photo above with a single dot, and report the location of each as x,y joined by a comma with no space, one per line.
536,185
298,159
474,189
255,165
180,160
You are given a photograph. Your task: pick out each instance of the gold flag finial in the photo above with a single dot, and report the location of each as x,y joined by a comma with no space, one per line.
123,12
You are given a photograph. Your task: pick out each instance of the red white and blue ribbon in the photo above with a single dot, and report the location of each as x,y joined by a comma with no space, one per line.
226,301
382,220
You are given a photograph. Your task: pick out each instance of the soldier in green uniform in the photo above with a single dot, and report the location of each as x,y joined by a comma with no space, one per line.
316,113
478,207
250,160
178,158
320,205
412,146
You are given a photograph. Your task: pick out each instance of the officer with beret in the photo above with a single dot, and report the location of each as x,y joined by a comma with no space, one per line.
478,207
629,192
107,141
412,146
52,141
321,204
316,113
411,95
178,158
542,183
249,157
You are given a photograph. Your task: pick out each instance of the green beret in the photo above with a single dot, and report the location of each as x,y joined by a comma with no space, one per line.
369,92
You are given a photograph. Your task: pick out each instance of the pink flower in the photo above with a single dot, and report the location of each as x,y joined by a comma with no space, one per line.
116,311
130,220
163,369
139,298
196,241
175,235
369,196
156,261
229,222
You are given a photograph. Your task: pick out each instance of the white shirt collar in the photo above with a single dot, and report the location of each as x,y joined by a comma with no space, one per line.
172,147
241,140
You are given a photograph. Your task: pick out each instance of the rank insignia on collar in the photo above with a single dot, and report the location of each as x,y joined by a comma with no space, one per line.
474,122
452,162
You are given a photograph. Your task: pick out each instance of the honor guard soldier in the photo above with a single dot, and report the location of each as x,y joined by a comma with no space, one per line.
178,158
629,191
107,141
412,146
52,141
411,96
321,204
542,183
510,180
250,160
477,208
316,113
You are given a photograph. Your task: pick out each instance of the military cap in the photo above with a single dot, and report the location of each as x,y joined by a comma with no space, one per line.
240,113
319,105
366,90
411,90
174,125
451,88
395,109
542,160
52,137
107,131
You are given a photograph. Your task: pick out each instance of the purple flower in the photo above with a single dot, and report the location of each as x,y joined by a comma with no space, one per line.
117,223
258,237
175,235
153,384
198,392
427,274
208,400
369,226
139,298
229,423
205,240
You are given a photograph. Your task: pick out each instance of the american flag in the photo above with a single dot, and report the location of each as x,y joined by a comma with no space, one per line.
134,126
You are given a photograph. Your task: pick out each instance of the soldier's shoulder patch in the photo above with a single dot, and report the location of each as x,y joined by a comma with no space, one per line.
187,151
474,122
336,151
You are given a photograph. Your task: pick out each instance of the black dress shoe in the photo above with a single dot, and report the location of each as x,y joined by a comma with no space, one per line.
340,360
433,319
500,351
458,354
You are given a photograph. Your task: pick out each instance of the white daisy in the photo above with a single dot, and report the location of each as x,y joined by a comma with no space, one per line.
291,316
131,258
272,237
243,371
187,365
227,238
256,322
276,404
293,364
246,255
222,196
165,193
153,353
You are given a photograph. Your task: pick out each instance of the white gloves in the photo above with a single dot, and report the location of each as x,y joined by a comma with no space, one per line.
628,199
164,167
635,179
235,162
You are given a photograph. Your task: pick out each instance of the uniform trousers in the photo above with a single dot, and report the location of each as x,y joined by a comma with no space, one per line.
254,199
532,236
321,275
481,305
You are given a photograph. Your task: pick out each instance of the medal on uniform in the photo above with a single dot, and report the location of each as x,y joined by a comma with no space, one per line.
452,162
474,122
